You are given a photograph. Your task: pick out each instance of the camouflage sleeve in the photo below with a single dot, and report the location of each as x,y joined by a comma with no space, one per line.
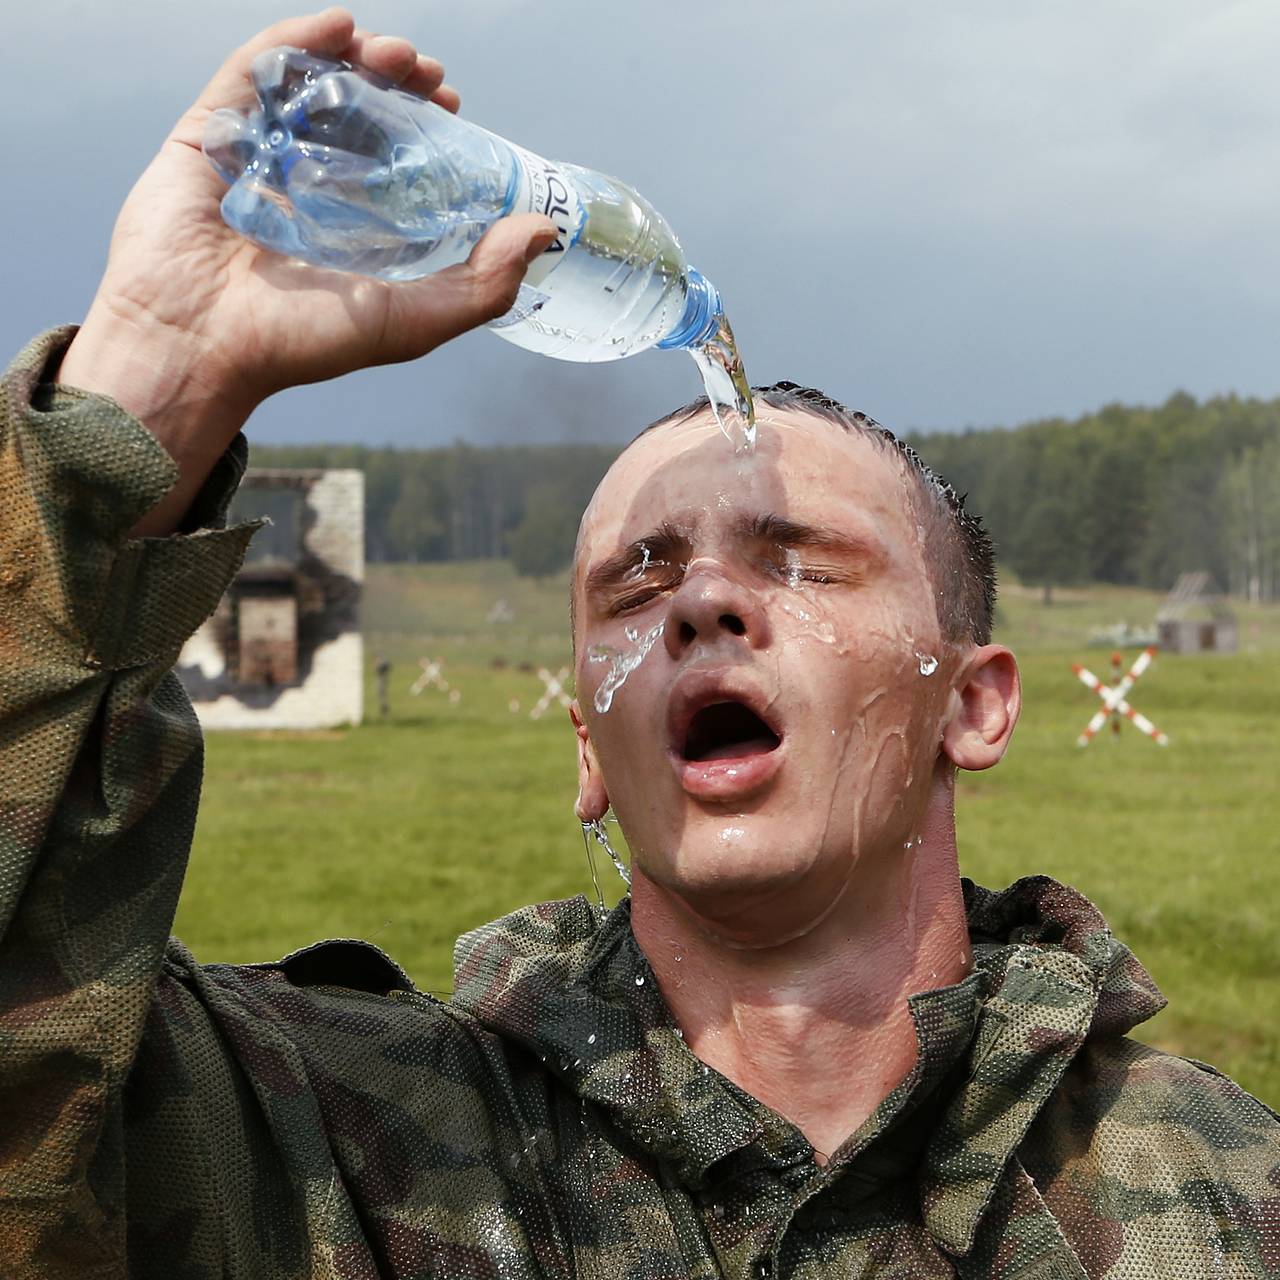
100,765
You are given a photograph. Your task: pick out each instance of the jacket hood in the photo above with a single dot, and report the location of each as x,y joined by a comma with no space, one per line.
572,987
1039,912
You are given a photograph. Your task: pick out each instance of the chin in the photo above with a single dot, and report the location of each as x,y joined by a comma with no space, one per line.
729,880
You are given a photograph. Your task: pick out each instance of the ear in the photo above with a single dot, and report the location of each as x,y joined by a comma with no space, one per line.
593,799
986,701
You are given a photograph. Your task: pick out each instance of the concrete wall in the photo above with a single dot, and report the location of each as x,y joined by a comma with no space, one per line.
284,650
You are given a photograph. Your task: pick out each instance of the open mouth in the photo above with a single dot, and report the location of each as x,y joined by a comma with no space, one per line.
727,731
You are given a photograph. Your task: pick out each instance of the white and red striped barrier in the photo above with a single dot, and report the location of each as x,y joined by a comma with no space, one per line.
1113,700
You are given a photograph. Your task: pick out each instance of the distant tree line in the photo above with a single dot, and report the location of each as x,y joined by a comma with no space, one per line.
1130,495
1125,495
464,502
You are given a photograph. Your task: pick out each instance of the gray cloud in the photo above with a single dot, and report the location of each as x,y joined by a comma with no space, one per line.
943,214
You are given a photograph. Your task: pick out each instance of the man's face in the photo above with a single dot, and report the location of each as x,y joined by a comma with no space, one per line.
783,728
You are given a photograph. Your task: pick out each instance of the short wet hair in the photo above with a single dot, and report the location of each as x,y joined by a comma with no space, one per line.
958,548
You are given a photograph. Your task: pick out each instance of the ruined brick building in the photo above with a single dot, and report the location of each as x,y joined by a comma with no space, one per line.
283,650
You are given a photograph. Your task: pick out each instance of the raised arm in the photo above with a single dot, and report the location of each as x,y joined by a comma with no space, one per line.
193,326
129,433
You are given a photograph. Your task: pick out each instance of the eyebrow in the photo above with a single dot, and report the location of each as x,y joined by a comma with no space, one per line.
794,533
660,543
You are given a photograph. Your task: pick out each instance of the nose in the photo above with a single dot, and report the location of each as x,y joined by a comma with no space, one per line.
709,606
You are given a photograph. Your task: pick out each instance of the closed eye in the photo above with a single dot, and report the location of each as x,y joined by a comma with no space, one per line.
793,572
634,601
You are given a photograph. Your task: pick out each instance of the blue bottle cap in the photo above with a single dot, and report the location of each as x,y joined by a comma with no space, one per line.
702,312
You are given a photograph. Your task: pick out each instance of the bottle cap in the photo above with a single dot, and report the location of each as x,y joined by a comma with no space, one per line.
702,312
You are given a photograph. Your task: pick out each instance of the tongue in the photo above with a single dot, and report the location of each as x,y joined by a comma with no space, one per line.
735,750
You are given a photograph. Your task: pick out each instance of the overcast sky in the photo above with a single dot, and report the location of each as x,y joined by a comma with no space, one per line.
945,215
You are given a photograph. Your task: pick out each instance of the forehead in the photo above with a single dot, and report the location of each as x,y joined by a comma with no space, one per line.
804,468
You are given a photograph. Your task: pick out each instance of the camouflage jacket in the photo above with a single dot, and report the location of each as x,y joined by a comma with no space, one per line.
320,1117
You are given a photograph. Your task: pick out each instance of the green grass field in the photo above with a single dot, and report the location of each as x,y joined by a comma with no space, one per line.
411,831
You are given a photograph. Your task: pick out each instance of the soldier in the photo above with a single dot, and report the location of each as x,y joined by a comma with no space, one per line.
802,1046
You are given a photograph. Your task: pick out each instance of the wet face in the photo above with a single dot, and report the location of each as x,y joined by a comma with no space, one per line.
781,732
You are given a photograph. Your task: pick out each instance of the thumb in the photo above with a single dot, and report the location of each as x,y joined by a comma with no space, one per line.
485,286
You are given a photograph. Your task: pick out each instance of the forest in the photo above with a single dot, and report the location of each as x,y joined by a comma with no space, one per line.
1125,495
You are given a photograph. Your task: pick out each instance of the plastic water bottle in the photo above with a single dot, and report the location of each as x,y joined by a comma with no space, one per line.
341,169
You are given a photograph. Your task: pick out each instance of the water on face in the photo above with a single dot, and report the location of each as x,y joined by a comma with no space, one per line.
622,662
725,381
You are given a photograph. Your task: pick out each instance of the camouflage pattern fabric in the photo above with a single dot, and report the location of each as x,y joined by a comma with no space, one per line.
319,1117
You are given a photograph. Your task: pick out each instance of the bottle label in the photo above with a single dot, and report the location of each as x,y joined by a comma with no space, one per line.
542,188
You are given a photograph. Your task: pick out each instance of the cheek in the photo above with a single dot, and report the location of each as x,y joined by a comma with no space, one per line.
873,712
878,626
630,738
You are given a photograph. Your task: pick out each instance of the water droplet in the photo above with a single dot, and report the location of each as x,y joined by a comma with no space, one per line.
597,831
928,663
588,831
591,1039
795,573
639,979
679,1034
638,571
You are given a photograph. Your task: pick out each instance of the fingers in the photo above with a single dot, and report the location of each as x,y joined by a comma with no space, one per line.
325,33
330,33
397,60
448,97
390,57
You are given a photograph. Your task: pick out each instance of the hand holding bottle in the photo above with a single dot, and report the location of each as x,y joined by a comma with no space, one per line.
193,326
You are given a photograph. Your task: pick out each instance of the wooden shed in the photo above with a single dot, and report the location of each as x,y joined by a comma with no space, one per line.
1195,618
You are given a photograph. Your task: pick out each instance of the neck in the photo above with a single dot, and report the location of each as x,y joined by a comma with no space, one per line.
818,1028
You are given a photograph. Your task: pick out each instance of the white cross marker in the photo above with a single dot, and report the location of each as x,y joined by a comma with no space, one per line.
554,691
430,677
